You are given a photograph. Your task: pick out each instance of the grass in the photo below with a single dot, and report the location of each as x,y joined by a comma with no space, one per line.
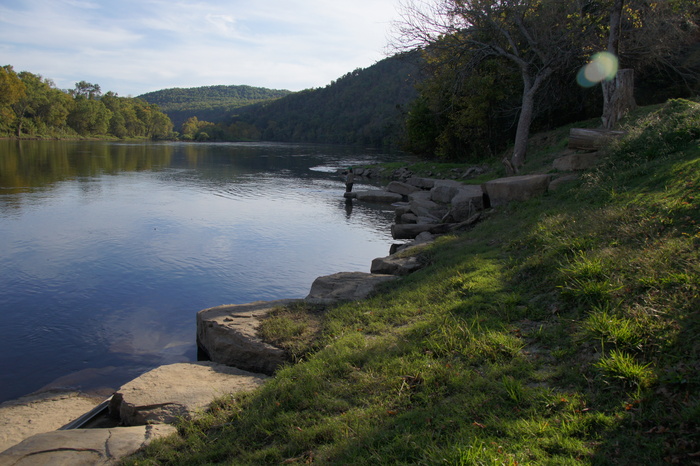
561,330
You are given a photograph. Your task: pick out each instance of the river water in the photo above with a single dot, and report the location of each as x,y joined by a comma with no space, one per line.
108,250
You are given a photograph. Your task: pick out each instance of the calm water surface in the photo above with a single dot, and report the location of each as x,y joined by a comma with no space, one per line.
109,250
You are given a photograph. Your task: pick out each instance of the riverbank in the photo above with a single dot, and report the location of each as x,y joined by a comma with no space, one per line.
562,329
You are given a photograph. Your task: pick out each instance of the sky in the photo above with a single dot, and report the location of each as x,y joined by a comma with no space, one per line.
135,46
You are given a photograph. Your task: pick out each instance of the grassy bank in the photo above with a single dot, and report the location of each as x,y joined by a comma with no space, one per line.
562,330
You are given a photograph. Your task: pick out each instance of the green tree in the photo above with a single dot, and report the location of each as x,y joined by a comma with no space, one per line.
12,89
42,107
89,117
87,90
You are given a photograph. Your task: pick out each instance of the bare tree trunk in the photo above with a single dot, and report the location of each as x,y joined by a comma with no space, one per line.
618,97
618,93
527,111
522,133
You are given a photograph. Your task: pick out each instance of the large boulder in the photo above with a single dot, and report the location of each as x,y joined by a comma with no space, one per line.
40,412
422,183
229,335
168,393
468,200
378,196
401,188
345,286
83,447
421,205
515,188
444,190
392,265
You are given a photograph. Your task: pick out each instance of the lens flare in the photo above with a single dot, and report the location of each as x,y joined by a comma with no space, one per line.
602,67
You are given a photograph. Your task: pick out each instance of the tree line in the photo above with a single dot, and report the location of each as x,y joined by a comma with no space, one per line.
32,106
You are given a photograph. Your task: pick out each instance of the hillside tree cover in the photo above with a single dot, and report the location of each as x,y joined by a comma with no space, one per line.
32,106
365,106
208,103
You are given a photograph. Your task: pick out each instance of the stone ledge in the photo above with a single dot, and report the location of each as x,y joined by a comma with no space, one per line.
229,335
168,393
83,446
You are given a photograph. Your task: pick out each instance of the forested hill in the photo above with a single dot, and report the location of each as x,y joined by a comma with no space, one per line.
210,103
365,106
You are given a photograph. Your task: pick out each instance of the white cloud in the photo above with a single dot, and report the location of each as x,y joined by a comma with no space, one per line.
133,46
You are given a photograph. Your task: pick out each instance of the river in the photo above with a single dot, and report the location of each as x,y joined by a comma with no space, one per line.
108,250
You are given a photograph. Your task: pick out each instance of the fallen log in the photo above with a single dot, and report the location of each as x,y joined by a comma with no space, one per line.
591,139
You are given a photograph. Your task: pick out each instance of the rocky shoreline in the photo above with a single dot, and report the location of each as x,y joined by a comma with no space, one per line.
34,427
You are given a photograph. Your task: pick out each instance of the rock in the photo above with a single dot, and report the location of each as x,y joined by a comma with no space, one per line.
515,188
422,183
410,231
423,206
350,195
168,393
465,203
402,173
401,188
391,265
83,447
408,218
573,162
229,335
473,171
561,180
444,190
468,223
40,412
345,286
424,238
378,196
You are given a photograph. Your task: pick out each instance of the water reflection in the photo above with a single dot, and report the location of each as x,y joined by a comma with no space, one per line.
109,250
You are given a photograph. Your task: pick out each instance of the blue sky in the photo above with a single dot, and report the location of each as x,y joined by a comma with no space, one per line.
136,46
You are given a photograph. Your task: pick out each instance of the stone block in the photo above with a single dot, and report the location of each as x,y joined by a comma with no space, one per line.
378,196
345,286
83,447
422,183
515,188
401,188
168,393
229,335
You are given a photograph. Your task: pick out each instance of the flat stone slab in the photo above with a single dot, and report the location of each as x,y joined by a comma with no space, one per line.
345,286
182,390
83,447
401,188
39,413
515,188
378,196
229,335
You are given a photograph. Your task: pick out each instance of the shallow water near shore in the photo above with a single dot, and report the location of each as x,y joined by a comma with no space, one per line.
108,250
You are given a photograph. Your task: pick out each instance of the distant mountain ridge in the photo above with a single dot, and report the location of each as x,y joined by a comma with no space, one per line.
366,106
209,103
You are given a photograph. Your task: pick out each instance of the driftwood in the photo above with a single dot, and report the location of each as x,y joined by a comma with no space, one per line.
591,139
